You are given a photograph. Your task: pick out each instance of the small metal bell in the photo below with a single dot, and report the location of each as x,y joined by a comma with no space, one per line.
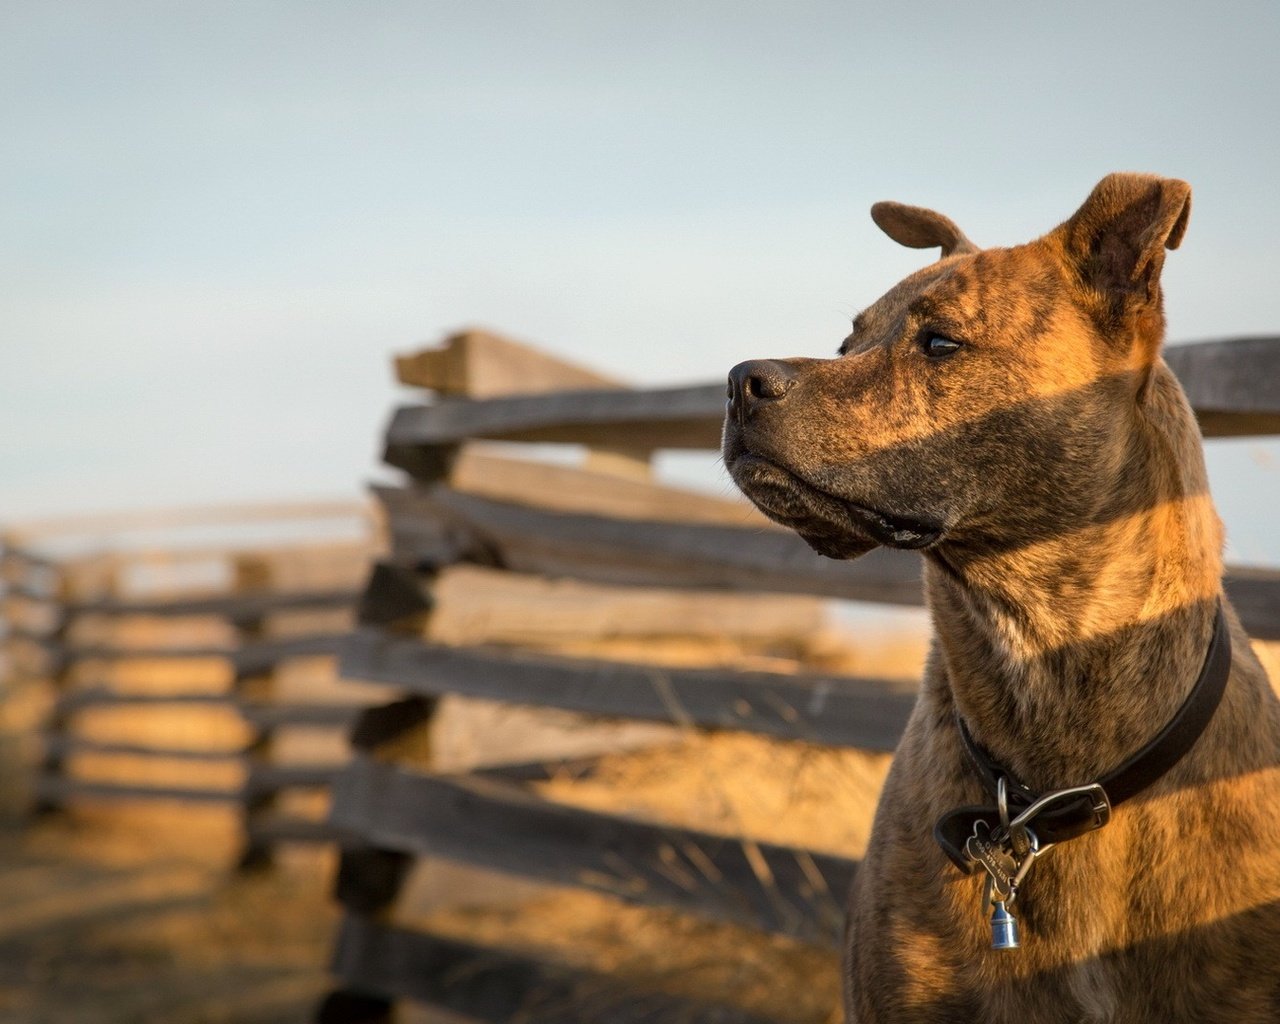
1004,928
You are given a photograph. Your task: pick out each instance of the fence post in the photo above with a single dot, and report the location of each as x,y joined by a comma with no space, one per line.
369,880
256,685
51,771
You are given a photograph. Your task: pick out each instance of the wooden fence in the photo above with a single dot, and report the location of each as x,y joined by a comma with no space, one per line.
603,546
192,672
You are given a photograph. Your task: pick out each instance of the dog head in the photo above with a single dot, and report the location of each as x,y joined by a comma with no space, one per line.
972,399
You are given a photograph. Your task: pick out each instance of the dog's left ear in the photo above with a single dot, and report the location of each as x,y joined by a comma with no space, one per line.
1117,240
918,228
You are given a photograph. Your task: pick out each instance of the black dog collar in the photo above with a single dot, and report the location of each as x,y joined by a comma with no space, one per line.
1068,813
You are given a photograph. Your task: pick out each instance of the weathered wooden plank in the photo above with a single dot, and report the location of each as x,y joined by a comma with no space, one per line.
75,700
259,656
296,569
65,745
464,604
60,789
624,551
65,652
262,655
476,604
500,826
232,606
623,462
269,828
426,540
271,778
1234,386
544,770
498,986
682,417
273,716
829,709
42,639
1255,594
577,489
479,364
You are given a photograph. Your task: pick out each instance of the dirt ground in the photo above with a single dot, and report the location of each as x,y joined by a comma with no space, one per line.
131,915
117,917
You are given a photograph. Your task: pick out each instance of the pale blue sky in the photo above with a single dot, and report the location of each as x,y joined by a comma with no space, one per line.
220,219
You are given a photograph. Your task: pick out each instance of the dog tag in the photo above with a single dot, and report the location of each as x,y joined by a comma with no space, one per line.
997,861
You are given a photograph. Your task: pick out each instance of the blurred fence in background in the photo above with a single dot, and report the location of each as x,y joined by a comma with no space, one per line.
183,666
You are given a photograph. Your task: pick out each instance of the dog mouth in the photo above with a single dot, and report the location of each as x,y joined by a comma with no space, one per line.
831,525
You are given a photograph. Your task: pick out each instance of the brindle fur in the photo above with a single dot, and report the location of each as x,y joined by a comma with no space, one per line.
1072,569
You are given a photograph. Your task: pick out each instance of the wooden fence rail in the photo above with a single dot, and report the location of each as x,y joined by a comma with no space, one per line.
830,709
590,543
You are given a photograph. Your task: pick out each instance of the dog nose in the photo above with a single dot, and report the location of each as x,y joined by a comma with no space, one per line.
756,382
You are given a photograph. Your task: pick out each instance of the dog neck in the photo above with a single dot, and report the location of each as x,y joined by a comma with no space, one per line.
1066,654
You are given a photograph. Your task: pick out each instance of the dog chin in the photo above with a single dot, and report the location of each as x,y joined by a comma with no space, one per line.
831,526
844,547
824,522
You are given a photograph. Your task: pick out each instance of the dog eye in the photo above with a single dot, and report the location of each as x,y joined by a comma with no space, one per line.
936,346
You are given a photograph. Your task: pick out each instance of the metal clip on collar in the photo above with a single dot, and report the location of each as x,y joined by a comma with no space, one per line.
1100,805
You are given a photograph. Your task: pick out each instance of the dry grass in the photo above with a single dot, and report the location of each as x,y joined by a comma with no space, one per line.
769,790
128,916
745,786
654,950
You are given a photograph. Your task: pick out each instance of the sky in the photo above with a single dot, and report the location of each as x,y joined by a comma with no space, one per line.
218,221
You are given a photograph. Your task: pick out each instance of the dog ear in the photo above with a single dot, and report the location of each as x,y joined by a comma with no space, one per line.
1118,237
1116,241
918,228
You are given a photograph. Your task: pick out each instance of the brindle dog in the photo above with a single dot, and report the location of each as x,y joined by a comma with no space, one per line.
1007,413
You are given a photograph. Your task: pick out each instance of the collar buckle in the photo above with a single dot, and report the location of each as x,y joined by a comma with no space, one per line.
1070,802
